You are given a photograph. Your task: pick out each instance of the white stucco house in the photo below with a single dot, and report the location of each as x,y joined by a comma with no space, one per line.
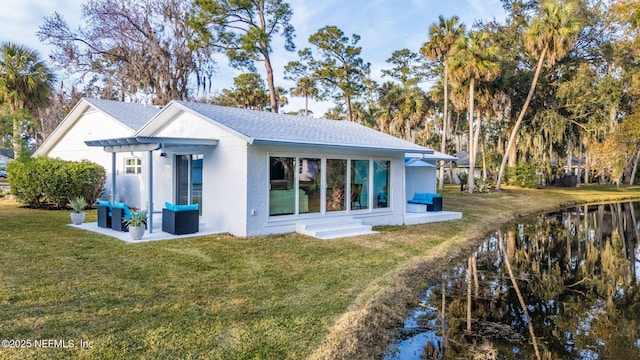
93,119
251,172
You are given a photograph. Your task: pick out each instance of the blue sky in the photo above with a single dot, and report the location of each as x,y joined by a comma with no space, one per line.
384,26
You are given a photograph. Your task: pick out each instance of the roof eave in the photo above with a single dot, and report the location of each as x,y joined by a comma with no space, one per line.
348,146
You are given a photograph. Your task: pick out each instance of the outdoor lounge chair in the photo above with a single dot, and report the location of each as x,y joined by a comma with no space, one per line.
180,219
104,214
432,201
120,213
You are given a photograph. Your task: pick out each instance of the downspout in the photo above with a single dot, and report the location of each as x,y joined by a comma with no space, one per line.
113,178
150,192
404,191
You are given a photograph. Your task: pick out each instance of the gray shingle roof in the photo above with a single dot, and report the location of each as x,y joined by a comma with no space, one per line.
267,127
131,114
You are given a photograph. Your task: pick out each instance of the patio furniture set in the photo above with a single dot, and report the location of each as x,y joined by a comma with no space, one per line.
423,202
176,219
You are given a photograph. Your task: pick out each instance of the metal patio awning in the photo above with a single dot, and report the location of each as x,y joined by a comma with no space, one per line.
435,156
149,143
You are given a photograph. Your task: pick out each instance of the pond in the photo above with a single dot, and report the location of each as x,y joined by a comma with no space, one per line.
564,285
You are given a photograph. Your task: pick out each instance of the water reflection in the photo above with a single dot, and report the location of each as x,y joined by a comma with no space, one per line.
562,285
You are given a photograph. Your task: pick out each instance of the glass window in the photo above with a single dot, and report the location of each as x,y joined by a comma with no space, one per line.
381,182
309,178
336,180
282,186
359,184
132,166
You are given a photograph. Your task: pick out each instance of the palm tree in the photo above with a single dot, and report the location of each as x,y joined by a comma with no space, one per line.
549,38
401,109
306,87
473,61
442,36
25,83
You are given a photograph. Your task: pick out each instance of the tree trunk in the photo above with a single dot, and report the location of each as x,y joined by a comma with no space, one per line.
273,97
17,139
570,157
348,104
587,167
443,312
476,284
514,131
469,295
476,138
445,126
484,162
634,220
17,133
522,304
513,157
472,150
579,168
635,166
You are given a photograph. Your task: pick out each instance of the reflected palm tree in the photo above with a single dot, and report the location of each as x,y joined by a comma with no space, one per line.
523,305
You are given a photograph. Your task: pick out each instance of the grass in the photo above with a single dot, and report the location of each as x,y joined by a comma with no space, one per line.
221,297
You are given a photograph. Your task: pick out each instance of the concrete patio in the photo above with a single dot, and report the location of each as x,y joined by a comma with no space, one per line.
204,229
156,235
411,218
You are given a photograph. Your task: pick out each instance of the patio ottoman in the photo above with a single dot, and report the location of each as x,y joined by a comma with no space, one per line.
180,219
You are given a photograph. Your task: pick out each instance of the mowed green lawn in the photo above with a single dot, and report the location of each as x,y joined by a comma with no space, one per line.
217,297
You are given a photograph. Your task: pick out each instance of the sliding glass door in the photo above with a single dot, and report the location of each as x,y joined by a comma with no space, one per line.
359,184
189,179
309,180
336,180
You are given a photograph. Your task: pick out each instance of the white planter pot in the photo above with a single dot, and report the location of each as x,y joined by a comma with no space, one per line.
136,232
77,218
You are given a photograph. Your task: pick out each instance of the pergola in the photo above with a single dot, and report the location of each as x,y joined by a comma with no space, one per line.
148,144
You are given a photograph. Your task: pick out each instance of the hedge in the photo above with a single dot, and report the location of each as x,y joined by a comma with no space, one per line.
50,183
523,175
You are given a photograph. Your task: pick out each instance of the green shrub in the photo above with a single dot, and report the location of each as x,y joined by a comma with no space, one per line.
481,186
523,175
44,182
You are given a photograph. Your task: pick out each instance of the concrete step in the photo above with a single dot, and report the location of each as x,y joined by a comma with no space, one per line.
334,228
313,225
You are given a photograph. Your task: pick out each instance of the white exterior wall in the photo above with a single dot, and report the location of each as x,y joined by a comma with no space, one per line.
260,223
420,179
162,182
95,125
224,173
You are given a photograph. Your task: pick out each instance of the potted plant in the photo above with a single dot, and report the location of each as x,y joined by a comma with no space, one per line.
137,224
77,210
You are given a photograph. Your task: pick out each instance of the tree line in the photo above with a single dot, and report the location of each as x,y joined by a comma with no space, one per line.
550,90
